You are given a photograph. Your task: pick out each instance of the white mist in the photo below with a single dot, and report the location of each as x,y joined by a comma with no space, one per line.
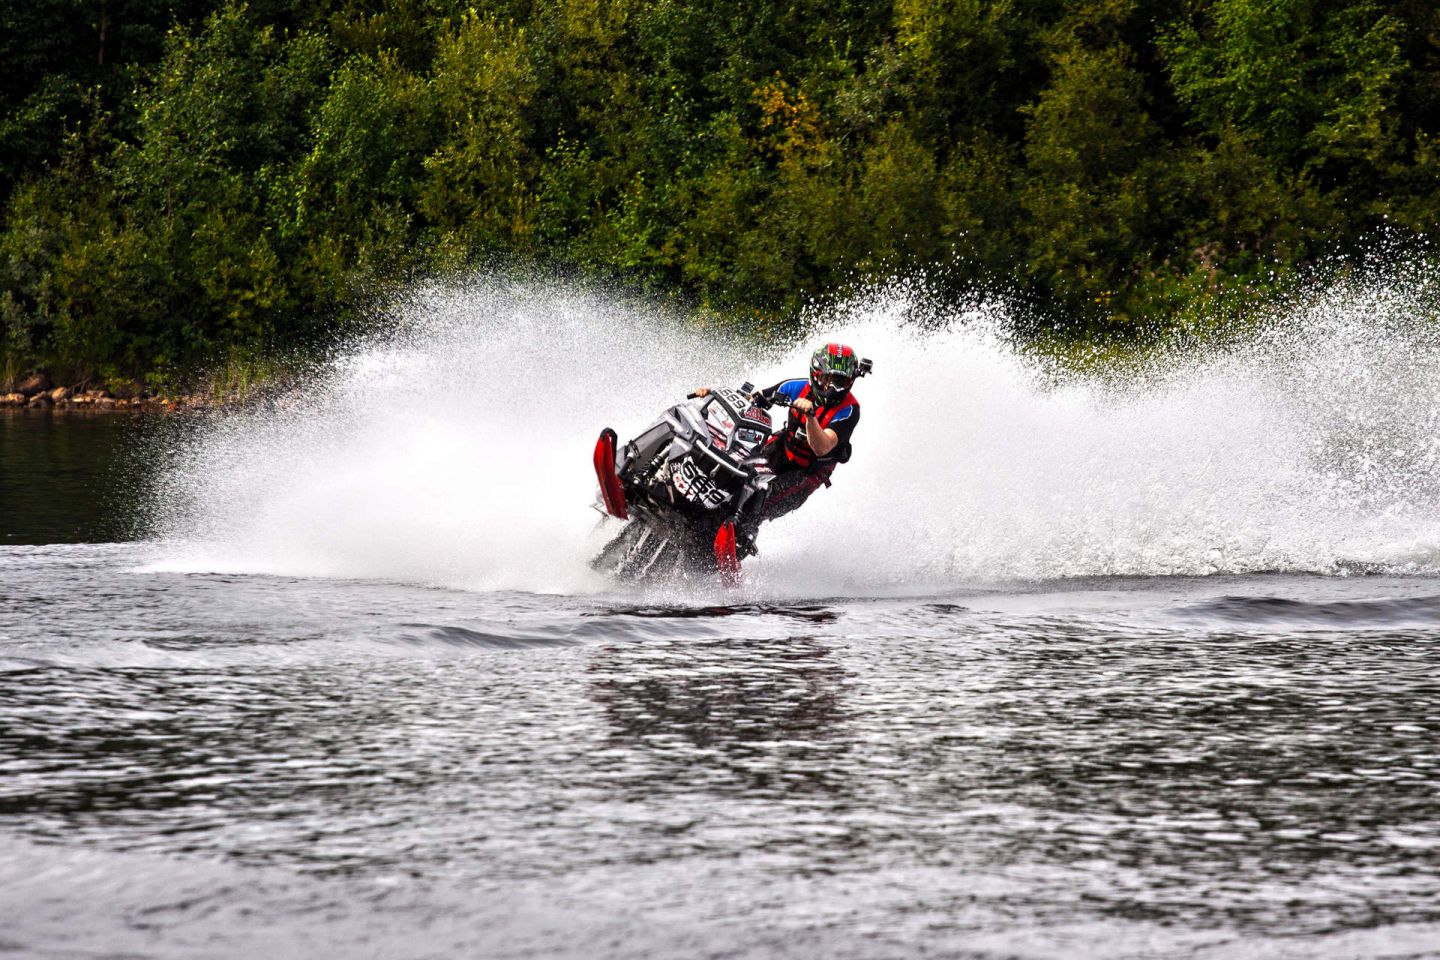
457,452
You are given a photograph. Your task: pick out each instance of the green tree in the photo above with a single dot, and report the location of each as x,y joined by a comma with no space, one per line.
1312,80
478,193
1088,194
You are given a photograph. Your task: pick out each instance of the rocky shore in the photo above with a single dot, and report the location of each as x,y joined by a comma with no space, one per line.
38,392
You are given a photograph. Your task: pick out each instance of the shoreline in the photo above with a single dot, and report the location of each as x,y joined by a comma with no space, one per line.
64,400
37,391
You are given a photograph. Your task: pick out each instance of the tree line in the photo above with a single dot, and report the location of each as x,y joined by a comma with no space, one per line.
183,180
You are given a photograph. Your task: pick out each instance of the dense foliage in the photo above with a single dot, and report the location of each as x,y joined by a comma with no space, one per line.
183,179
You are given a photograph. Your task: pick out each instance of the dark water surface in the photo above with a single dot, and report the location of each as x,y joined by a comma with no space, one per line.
205,765
70,478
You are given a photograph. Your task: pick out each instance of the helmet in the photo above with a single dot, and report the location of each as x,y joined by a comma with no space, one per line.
833,368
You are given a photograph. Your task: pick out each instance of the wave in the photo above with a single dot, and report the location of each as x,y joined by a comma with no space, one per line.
1399,611
455,450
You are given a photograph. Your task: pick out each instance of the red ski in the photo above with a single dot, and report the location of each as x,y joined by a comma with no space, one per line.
610,490
725,560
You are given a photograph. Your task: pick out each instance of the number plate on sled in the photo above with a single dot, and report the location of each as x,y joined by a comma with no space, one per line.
696,486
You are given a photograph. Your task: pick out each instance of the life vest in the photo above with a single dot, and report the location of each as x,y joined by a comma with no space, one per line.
798,453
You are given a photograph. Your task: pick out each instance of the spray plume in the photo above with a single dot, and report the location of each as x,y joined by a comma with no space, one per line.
455,450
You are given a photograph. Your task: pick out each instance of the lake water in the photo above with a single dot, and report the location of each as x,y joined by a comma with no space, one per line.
335,682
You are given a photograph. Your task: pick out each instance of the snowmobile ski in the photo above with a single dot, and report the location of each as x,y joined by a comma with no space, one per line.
610,490
725,560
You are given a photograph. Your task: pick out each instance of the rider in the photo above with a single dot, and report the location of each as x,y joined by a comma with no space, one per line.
823,415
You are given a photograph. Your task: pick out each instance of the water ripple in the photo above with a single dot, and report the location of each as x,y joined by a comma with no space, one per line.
1107,768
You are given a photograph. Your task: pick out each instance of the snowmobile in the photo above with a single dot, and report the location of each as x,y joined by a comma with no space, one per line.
681,485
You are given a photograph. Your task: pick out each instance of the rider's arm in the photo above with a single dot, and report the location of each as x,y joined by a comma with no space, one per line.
820,439
823,440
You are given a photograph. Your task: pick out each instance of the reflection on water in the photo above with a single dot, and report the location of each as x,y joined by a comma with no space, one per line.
759,717
70,478
803,613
